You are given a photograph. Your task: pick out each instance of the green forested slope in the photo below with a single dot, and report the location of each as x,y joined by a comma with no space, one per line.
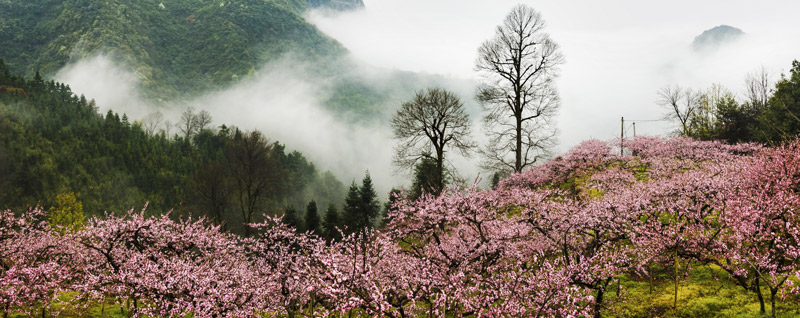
176,48
53,142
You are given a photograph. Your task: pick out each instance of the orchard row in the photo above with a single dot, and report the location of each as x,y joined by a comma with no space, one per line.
546,242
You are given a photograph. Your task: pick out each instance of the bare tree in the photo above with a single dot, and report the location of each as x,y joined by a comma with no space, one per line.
202,120
168,128
758,88
188,123
426,126
682,104
151,122
519,66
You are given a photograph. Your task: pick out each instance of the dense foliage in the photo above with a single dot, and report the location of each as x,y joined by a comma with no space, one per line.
55,143
174,47
546,242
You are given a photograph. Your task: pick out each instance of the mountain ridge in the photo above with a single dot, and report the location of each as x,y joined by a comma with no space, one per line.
176,49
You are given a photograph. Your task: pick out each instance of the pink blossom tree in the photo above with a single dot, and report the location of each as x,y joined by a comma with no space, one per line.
34,262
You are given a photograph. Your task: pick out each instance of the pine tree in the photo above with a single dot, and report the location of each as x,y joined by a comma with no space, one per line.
361,206
312,218
352,210
331,223
426,175
369,206
290,218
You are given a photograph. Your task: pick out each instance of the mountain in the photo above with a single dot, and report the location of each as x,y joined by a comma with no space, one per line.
716,36
176,48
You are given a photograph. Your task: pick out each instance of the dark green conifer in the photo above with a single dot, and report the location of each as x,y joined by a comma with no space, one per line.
331,223
312,218
290,218
369,206
352,210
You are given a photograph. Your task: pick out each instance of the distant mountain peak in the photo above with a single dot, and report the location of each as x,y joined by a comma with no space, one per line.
338,5
716,36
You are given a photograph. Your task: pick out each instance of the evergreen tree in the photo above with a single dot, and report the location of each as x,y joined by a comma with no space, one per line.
312,218
369,206
290,218
351,211
426,175
331,223
361,206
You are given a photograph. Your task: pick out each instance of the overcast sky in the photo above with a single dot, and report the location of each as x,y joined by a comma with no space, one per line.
618,53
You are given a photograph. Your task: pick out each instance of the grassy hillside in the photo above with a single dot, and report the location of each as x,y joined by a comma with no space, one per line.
175,47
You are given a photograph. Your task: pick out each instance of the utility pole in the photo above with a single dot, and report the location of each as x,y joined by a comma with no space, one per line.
634,129
621,135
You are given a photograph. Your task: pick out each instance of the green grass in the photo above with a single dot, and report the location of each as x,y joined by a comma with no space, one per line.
706,292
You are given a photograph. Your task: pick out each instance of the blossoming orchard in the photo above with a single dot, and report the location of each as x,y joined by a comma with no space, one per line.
548,242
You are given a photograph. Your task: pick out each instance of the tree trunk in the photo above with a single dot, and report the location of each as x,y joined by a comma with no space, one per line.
598,303
311,304
439,171
518,151
760,295
772,292
430,309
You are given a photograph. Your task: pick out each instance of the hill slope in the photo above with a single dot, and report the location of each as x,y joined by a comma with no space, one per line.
176,48
54,142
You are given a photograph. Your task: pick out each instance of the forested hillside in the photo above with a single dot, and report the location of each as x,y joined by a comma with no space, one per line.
176,48
56,143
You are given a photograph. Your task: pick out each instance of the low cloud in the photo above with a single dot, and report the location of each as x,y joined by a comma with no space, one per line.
618,53
287,105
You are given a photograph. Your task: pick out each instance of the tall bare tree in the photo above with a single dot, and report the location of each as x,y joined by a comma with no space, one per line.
188,123
202,120
519,66
682,103
193,122
151,122
758,88
433,121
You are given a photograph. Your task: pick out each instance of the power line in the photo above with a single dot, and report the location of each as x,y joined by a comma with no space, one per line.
623,129
646,120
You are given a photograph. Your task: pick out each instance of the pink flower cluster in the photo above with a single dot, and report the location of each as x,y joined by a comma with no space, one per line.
546,242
